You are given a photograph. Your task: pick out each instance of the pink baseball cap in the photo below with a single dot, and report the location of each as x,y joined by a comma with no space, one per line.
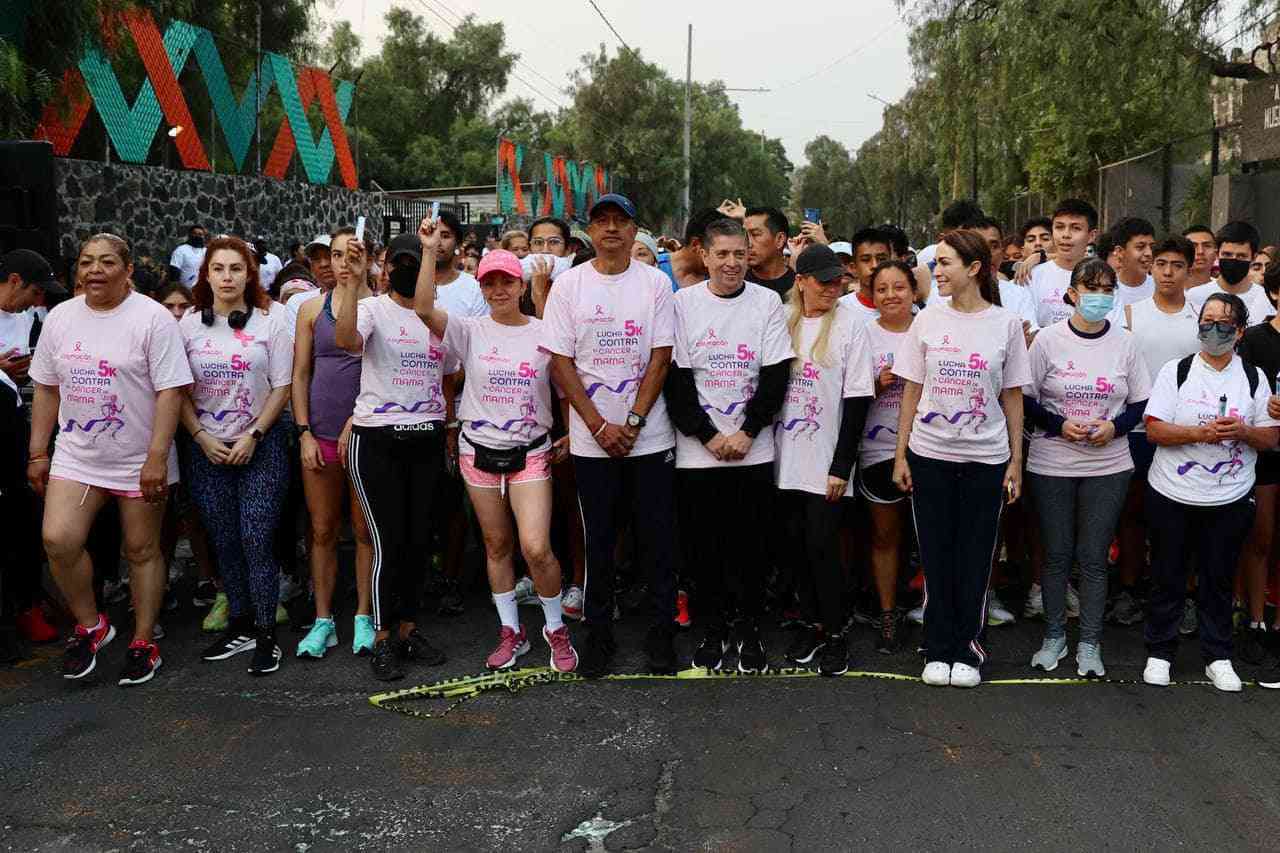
499,260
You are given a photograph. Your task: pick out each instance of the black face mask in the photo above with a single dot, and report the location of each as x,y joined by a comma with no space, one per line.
1233,270
1007,268
195,242
404,280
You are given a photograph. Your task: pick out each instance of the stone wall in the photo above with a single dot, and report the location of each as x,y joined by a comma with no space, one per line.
153,207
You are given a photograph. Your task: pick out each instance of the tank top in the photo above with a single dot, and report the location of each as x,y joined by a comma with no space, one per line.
1162,337
335,378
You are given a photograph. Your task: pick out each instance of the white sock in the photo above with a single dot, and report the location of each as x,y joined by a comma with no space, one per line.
551,610
1258,625
508,612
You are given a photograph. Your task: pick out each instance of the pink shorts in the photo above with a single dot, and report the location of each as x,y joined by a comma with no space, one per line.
537,466
120,493
328,450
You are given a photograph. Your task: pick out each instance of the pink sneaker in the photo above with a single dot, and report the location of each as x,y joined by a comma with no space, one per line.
563,656
510,646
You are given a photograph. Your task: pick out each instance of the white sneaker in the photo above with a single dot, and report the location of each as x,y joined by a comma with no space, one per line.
1156,672
963,675
916,615
571,603
1073,603
1052,650
936,674
525,593
1223,676
997,613
1034,608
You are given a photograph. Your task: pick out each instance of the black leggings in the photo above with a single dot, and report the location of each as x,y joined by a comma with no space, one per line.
813,551
395,473
723,514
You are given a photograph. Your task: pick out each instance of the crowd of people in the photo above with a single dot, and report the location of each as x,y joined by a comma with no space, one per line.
747,421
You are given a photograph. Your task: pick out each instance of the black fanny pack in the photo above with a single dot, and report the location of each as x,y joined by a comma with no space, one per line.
509,461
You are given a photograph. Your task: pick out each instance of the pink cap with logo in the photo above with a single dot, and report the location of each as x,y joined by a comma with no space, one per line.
499,260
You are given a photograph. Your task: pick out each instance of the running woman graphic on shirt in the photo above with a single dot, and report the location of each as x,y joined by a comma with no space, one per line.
957,378
90,386
508,386
1232,452
801,408
882,420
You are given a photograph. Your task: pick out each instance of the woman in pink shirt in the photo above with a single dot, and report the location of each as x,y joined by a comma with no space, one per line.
242,359
505,453
959,449
1089,386
110,373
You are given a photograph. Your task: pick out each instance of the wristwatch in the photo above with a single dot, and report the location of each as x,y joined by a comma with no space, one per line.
635,421
301,428
257,434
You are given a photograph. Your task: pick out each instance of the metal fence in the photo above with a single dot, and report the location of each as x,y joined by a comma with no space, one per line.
1170,186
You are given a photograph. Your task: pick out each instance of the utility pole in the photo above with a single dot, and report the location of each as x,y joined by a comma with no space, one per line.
688,118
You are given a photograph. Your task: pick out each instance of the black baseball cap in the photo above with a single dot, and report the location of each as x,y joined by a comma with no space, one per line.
405,244
32,268
820,262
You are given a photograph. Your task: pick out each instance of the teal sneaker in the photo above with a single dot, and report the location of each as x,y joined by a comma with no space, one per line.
322,637
362,641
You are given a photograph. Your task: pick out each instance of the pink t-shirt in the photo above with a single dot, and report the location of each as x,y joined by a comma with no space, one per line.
235,370
506,401
1084,379
610,325
963,361
402,367
880,436
725,342
108,367
808,426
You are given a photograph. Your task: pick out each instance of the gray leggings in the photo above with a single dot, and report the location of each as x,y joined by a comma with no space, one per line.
1078,518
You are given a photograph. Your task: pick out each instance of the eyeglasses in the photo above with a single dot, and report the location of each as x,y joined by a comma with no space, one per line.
1224,327
539,242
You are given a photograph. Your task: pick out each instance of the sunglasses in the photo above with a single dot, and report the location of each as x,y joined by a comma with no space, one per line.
1224,327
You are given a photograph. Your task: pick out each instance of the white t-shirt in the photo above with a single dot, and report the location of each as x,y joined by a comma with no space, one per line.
1084,379
1255,299
861,313
506,401
1162,337
726,341
963,361
808,425
1049,283
402,367
235,370
187,259
1126,295
462,297
880,436
610,325
1206,474
1013,297
15,331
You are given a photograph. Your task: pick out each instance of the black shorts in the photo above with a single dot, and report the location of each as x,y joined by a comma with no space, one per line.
1268,469
875,483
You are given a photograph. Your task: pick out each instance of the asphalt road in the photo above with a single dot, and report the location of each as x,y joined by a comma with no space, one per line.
206,757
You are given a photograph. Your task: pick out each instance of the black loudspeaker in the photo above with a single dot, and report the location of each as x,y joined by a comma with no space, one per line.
28,198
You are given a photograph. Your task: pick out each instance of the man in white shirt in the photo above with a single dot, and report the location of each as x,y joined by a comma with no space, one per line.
1206,244
25,279
457,292
188,256
1237,244
1075,226
317,252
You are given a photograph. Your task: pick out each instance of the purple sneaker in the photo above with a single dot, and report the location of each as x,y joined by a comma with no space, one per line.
563,656
510,646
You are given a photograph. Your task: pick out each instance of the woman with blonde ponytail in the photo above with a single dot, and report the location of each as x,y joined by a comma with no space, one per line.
817,436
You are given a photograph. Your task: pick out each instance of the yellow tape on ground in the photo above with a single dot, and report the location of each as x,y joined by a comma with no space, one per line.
459,690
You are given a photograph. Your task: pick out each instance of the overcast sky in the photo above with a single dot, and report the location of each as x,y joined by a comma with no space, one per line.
819,61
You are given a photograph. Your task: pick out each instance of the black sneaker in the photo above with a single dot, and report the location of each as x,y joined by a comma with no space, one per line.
385,662
596,653
834,658
660,650
81,654
889,642
266,654
807,643
710,652
751,654
1253,646
239,637
206,592
141,662
415,647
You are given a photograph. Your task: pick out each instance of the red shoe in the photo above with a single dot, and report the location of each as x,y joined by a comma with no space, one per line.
81,654
35,626
141,662
917,582
682,609
1113,553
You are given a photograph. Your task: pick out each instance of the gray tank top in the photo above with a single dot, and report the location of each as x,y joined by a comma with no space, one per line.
335,378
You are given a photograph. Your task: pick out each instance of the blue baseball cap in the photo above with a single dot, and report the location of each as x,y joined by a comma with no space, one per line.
617,199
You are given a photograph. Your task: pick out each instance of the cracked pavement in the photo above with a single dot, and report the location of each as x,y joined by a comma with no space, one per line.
206,757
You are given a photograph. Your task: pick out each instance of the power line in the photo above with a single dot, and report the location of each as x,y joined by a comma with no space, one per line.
610,25
848,55
555,87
